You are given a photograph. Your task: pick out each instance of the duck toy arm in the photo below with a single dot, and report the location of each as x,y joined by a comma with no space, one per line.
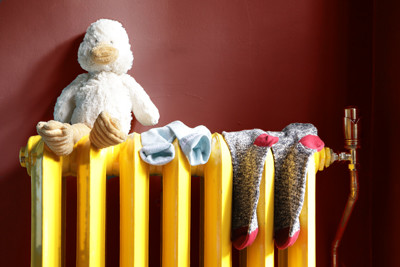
143,108
65,104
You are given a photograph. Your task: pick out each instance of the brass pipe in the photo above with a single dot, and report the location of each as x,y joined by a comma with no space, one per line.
353,196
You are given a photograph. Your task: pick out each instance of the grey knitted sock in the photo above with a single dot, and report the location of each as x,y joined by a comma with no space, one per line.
297,143
248,150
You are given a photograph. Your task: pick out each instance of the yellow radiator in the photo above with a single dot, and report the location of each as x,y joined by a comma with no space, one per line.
91,166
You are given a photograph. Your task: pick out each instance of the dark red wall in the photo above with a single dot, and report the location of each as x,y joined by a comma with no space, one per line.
386,182
230,65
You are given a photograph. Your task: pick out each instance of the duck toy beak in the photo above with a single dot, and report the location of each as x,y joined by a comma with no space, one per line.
104,54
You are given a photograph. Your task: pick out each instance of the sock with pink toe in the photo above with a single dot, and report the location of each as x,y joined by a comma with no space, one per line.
248,149
297,143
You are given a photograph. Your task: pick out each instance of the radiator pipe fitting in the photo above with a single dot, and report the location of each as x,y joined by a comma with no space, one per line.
351,133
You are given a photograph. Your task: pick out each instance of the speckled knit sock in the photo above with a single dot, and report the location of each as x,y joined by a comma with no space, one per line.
248,150
297,143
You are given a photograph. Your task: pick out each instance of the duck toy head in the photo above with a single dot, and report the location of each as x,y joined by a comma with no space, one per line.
105,47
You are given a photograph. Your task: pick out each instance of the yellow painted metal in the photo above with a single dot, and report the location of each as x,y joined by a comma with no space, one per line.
63,221
176,211
91,188
328,155
52,207
319,157
322,159
91,166
283,258
36,196
302,253
134,204
45,169
218,205
261,252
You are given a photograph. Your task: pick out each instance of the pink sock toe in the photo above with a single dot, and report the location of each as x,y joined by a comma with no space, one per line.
266,140
242,239
313,142
283,240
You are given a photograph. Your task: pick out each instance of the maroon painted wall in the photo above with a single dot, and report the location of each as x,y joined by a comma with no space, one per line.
230,65
386,182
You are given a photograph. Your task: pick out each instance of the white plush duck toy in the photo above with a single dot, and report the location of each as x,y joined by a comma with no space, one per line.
99,102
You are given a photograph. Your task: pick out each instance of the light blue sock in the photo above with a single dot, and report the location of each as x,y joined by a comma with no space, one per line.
194,142
157,146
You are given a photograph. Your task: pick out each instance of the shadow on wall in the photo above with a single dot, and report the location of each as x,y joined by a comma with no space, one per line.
47,79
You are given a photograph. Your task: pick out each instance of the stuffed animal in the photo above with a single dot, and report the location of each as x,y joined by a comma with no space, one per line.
99,102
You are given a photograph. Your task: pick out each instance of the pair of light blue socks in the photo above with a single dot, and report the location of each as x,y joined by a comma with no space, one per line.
158,148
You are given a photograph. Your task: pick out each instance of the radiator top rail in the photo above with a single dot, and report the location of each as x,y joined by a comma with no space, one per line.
34,148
